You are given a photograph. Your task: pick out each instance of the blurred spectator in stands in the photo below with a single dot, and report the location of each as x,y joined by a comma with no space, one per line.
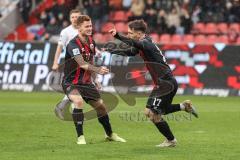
58,11
150,15
106,10
234,15
97,15
126,4
44,18
25,8
185,5
161,22
173,21
60,20
186,22
192,5
87,5
196,14
212,10
228,7
70,4
164,4
52,28
137,9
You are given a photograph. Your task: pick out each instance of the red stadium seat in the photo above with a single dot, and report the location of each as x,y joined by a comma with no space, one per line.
164,38
154,37
33,19
98,37
106,27
60,1
11,37
211,39
238,40
200,39
198,28
222,28
176,39
49,3
223,39
235,26
103,38
211,28
121,27
188,38
120,16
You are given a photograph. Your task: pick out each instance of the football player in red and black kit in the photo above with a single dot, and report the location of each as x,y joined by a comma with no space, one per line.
77,84
160,101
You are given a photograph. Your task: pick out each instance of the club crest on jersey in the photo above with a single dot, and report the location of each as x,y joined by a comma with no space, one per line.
91,46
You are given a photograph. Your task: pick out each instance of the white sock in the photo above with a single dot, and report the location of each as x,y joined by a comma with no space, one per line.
64,103
65,97
182,107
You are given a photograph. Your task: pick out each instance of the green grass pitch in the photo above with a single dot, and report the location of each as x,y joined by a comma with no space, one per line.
29,130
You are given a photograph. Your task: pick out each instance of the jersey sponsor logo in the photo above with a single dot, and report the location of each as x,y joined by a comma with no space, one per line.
76,51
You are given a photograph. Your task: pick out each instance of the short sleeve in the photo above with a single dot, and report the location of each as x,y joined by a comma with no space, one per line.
63,38
73,49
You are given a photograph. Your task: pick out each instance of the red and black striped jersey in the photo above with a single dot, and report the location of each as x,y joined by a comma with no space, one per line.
73,74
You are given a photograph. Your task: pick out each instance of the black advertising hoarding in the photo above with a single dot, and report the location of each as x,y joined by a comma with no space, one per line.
24,66
199,69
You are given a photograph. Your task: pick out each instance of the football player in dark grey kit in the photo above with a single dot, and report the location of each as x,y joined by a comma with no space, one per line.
160,101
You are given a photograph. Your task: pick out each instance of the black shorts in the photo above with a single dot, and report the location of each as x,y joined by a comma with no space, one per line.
87,91
162,96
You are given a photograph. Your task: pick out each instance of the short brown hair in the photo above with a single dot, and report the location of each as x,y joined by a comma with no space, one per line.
138,25
82,19
74,11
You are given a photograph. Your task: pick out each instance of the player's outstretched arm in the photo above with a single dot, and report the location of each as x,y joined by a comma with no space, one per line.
87,66
131,42
131,51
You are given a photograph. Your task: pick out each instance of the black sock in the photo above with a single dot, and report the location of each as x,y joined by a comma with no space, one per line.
78,119
164,129
173,108
104,120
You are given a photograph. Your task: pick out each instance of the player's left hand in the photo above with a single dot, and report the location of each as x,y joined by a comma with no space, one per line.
113,31
55,67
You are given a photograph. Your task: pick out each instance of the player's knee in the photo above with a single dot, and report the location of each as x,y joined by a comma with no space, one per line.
101,108
155,118
78,102
100,102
